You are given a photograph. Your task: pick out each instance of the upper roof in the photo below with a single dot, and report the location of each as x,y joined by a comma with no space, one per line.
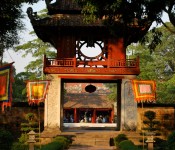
63,7
64,17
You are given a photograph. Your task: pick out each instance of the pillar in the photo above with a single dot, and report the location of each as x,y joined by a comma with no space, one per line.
94,116
75,115
112,116
52,112
128,106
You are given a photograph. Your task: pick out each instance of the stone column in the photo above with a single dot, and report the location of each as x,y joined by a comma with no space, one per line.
52,112
128,107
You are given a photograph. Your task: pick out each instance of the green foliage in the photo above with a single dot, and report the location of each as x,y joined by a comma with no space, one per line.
112,96
56,145
66,142
59,143
37,49
171,141
30,117
6,139
127,145
19,86
11,16
160,144
150,115
151,123
119,138
23,138
20,146
30,124
118,14
159,65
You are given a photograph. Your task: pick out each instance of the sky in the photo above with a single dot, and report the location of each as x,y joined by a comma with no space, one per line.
16,57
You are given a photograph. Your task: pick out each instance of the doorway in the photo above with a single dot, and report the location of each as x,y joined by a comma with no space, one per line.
91,109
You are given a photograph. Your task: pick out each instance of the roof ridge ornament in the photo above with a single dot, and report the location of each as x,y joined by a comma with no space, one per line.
32,15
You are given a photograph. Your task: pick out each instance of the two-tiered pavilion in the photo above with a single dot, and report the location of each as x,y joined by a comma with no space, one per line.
86,53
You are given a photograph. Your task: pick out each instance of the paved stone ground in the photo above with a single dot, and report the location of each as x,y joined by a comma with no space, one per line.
91,148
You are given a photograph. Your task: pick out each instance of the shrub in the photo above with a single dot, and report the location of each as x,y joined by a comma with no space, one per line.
160,144
6,139
59,143
119,138
19,146
151,123
23,138
65,141
171,141
151,115
56,145
31,123
127,145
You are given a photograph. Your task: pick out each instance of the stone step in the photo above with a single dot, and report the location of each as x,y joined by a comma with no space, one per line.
92,137
91,141
95,138
80,147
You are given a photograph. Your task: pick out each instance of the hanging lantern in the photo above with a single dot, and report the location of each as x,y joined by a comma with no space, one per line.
90,88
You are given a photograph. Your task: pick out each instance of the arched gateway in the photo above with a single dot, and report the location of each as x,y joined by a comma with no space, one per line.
87,53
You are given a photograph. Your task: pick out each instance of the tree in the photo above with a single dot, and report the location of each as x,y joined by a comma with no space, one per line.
10,17
158,66
125,14
126,10
38,49
19,86
150,122
113,94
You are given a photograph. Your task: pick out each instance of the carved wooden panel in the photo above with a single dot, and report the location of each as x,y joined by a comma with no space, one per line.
108,71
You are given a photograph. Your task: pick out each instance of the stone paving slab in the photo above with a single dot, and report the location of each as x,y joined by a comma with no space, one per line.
91,148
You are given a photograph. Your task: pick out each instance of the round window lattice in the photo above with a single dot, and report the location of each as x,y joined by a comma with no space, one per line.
95,52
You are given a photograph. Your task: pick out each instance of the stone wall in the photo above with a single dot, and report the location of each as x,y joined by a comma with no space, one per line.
14,116
165,114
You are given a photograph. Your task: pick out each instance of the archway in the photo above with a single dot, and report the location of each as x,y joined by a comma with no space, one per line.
91,110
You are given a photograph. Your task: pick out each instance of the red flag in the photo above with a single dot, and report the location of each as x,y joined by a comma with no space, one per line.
144,90
6,80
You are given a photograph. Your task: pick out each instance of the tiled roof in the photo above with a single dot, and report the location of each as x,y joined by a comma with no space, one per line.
63,6
66,20
86,100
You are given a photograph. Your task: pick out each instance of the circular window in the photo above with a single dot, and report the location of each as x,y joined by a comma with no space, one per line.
91,51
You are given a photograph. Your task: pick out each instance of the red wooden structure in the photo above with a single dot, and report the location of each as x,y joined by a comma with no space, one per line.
65,29
87,51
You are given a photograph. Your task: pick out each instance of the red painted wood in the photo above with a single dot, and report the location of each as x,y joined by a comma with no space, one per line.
75,115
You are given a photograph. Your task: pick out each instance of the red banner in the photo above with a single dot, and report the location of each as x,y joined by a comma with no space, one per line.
36,91
144,90
6,79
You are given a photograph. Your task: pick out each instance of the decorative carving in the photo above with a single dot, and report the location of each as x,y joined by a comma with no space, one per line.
96,48
108,71
32,15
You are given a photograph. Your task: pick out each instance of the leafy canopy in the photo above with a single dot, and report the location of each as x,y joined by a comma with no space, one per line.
10,17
